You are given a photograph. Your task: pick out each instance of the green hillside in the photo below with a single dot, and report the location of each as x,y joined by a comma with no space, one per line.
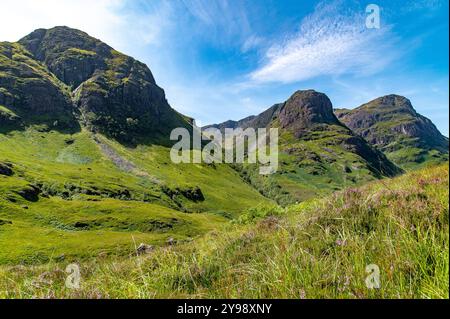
84,156
69,195
318,249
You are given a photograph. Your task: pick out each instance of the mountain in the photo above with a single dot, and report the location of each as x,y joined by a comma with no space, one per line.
61,73
391,124
85,168
260,121
317,249
85,164
318,153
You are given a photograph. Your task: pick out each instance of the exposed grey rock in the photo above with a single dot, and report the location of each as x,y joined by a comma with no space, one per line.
144,249
30,193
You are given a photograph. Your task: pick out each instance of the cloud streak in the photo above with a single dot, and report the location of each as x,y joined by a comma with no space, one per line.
330,41
223,22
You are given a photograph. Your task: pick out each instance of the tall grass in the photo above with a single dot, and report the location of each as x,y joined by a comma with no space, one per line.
317,249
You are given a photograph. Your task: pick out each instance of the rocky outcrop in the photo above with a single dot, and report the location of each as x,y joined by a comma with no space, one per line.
377,162
304,109
30,193
300,112
114,94
29,93
192,193
392,124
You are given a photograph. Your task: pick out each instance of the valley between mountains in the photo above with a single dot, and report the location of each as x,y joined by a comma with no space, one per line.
86,177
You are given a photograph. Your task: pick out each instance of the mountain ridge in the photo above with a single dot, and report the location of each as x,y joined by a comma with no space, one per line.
317,151
391,124
109,92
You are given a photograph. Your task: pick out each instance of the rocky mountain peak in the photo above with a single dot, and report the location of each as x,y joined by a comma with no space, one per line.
74,56
392,124
305,109
110,92
392,102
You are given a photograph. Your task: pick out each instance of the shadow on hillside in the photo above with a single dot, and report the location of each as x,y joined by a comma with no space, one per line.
7,127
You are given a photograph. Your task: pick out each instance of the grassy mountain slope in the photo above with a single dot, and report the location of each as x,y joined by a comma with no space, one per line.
391,124
69,195
84,155
318,249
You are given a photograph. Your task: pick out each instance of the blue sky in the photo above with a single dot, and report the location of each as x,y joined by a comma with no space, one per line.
220,60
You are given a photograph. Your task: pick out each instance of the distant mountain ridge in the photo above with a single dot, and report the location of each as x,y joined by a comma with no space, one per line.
391,124
318,153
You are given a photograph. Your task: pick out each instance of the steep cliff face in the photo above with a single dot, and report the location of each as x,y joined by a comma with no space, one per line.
114,94
302,111
72,55
305,110
29,93
392,125
61,185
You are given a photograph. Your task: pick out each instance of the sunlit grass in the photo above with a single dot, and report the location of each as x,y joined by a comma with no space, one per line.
318,249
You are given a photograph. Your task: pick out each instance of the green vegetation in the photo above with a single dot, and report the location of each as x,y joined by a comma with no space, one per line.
69,196
86,177
317,249
80,52
315,164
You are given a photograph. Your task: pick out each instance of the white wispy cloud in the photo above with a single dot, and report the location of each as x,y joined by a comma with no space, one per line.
252,42
222,21
330,41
